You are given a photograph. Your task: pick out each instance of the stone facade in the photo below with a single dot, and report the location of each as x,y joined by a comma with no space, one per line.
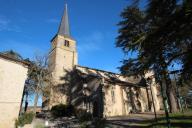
13,74
114,101
62,59
120,95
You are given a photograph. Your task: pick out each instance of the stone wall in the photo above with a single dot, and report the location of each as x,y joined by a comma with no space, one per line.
12,79
115,101
62,60
121,101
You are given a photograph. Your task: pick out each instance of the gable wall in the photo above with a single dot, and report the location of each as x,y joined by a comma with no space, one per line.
12,79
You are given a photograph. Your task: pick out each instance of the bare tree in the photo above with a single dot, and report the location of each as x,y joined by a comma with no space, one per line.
39,78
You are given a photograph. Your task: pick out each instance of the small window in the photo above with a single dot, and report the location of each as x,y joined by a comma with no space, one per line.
66,43
113,94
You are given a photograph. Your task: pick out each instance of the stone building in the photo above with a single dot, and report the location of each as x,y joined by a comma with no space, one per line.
13,73
101,92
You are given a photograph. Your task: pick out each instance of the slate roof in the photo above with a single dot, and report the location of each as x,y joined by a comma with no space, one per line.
64,29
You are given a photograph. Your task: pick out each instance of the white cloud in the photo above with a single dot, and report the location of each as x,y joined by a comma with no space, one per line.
6,25
90,43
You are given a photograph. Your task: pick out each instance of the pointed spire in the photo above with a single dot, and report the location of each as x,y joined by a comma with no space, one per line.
64,25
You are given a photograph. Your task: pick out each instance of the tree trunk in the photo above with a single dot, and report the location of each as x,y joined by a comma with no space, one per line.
35,101
163,93
26,102
171,100
168,86
170,95
185,102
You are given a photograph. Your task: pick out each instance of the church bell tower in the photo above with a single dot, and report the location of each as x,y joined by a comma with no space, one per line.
62,59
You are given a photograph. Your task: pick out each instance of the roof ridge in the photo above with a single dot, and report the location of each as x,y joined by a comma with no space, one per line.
14,59
99,70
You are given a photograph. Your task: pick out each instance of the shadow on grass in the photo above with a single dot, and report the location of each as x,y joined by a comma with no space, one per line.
155,125
174,124
179,122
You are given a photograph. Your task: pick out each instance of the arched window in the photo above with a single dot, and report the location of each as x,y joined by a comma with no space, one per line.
66,43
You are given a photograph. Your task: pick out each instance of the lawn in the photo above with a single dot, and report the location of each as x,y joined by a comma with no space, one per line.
178,120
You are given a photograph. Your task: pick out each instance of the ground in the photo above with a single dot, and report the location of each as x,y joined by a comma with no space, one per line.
141,120
147,120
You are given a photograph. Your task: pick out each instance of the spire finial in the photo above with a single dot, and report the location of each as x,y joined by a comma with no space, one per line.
64,25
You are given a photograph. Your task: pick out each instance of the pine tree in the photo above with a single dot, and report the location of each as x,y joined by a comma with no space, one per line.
161,36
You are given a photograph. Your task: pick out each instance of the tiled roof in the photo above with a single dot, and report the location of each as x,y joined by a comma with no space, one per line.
9,57
112,77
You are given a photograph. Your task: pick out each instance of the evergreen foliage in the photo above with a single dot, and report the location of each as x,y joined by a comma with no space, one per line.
62,110
161,36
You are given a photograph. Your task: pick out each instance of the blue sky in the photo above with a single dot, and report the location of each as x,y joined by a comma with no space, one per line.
27,26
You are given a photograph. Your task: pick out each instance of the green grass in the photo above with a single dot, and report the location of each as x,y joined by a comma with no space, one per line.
178,120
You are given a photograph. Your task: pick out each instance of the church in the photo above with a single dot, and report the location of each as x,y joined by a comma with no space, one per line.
100,92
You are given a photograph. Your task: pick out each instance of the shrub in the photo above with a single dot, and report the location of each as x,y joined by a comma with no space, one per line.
70,110
25,118
83,115
62,110
84,125
58,110
99,123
